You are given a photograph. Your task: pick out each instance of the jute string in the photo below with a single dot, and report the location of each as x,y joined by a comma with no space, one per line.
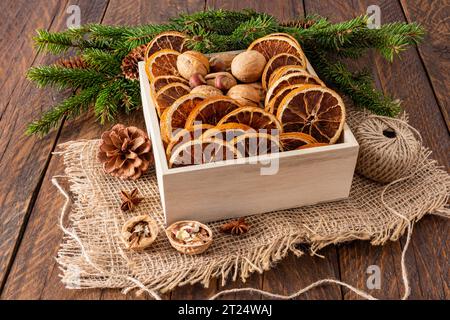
389,148
95,220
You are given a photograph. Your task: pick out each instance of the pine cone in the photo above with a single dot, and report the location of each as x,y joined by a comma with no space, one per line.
76,62
129,66
125,152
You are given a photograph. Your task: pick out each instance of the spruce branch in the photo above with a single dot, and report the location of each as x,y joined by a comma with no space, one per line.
359,86
63,78
222,22
60,42
102,48
137,36
69,108
254,28
103,62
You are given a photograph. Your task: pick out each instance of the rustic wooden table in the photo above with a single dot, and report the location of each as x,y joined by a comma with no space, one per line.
30,205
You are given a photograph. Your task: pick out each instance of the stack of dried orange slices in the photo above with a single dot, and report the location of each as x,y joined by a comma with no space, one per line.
212,109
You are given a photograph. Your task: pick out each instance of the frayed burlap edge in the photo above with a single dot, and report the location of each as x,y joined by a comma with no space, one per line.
259,259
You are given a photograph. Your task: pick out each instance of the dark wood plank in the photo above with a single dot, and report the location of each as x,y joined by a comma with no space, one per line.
416,93
354,258
283,10
37,277
293,274
427,255
290,274
42,236
434,51
22,159
28,275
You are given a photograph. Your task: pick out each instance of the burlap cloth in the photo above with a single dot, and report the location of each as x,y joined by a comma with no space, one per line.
93,256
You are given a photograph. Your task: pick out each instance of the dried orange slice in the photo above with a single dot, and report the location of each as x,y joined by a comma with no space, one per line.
227,131
211,110
162,63
185,135
174,117
270,46
162,81
300,77
312,145
275,101
168,94
255,118
294,140
254,144
282,34
173,40
317,111
202,151
281,71
280,60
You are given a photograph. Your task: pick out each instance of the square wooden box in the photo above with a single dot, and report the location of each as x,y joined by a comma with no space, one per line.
236,188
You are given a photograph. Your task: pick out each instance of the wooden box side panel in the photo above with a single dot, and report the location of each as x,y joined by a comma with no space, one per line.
152,124
237,190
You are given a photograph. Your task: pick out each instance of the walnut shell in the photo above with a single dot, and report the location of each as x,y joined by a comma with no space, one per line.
259,88
191,62
221,80
187,248
248,66
221,61
140,243
207,91
245,94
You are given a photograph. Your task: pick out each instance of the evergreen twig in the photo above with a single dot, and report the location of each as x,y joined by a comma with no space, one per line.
102,85
63,78
69,108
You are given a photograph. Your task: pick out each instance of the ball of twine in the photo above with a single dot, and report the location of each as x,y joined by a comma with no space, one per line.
389,148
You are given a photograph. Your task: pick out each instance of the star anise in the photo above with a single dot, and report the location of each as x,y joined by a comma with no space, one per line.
130,200
236,227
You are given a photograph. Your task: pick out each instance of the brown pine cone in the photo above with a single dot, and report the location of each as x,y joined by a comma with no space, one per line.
130,68
76,62
125,152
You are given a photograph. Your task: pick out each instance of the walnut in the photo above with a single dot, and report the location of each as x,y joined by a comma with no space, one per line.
245,94
139,232
259,88
191,62
207,91
221,80
221,61
248,66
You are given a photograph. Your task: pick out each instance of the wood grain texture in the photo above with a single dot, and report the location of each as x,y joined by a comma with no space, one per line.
354,258
32,253
434,50
406,79
427,257
37,277
23,160
416,93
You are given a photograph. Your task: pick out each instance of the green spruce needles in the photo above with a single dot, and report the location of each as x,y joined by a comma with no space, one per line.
102,86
